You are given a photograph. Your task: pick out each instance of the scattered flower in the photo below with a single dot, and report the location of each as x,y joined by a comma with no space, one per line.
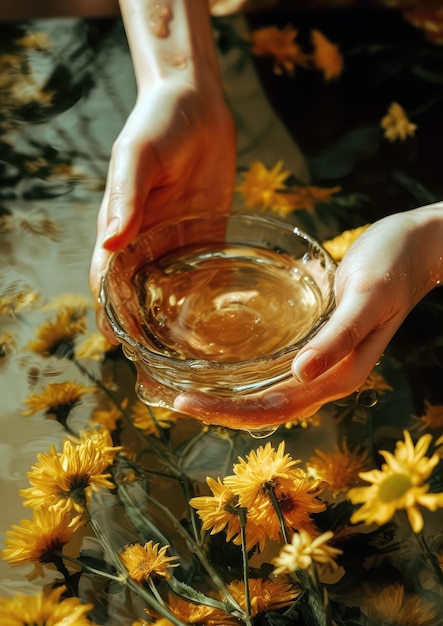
147,561
305,550
67,478
279,44
36,541
338,246
326,56
339,469
399,484
262,188
397,124
44,609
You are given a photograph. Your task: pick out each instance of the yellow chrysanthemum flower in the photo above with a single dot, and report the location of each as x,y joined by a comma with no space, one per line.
78,304
279,44
341,468
391,605
265,595
338,246
220,512
304,550
399,484
295,493
108,417
56,398
44,609
262,188
396,124
191,613
8,341
58,335
67,478
101,438
36,541
326,56
147,561
150,420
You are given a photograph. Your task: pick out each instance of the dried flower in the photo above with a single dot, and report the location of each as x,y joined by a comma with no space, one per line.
397,124
399,484
304,550
147,561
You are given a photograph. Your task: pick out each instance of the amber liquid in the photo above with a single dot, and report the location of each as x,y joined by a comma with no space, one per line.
226,304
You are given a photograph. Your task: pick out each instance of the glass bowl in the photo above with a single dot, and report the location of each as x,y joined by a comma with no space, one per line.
217,304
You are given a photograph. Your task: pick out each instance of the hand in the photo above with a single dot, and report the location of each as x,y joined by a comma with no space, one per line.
385,273
176,155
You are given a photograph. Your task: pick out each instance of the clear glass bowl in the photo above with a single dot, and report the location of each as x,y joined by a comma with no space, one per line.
219,305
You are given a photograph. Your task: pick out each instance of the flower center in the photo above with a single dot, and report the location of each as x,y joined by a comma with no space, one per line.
394,487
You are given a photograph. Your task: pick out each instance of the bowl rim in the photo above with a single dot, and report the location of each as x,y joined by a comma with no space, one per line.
144,354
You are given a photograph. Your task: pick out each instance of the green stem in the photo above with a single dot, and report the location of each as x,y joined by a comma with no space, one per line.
91,570
241,511
196,549
277,509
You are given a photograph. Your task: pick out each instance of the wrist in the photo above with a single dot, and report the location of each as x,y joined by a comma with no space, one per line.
171,40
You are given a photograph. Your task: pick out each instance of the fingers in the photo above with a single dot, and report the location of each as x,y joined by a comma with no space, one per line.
354,321
288,401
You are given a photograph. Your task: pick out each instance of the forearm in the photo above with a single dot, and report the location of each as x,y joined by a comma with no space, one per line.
171,38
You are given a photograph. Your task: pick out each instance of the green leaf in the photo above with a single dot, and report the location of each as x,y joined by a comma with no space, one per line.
193,595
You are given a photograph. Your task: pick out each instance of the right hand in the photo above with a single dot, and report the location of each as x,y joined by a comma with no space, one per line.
176,155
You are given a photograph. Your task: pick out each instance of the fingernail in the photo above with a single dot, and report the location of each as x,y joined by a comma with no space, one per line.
308,366
112,229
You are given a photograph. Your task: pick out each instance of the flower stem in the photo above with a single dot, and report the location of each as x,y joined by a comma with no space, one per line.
92,570
241,512
277,509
